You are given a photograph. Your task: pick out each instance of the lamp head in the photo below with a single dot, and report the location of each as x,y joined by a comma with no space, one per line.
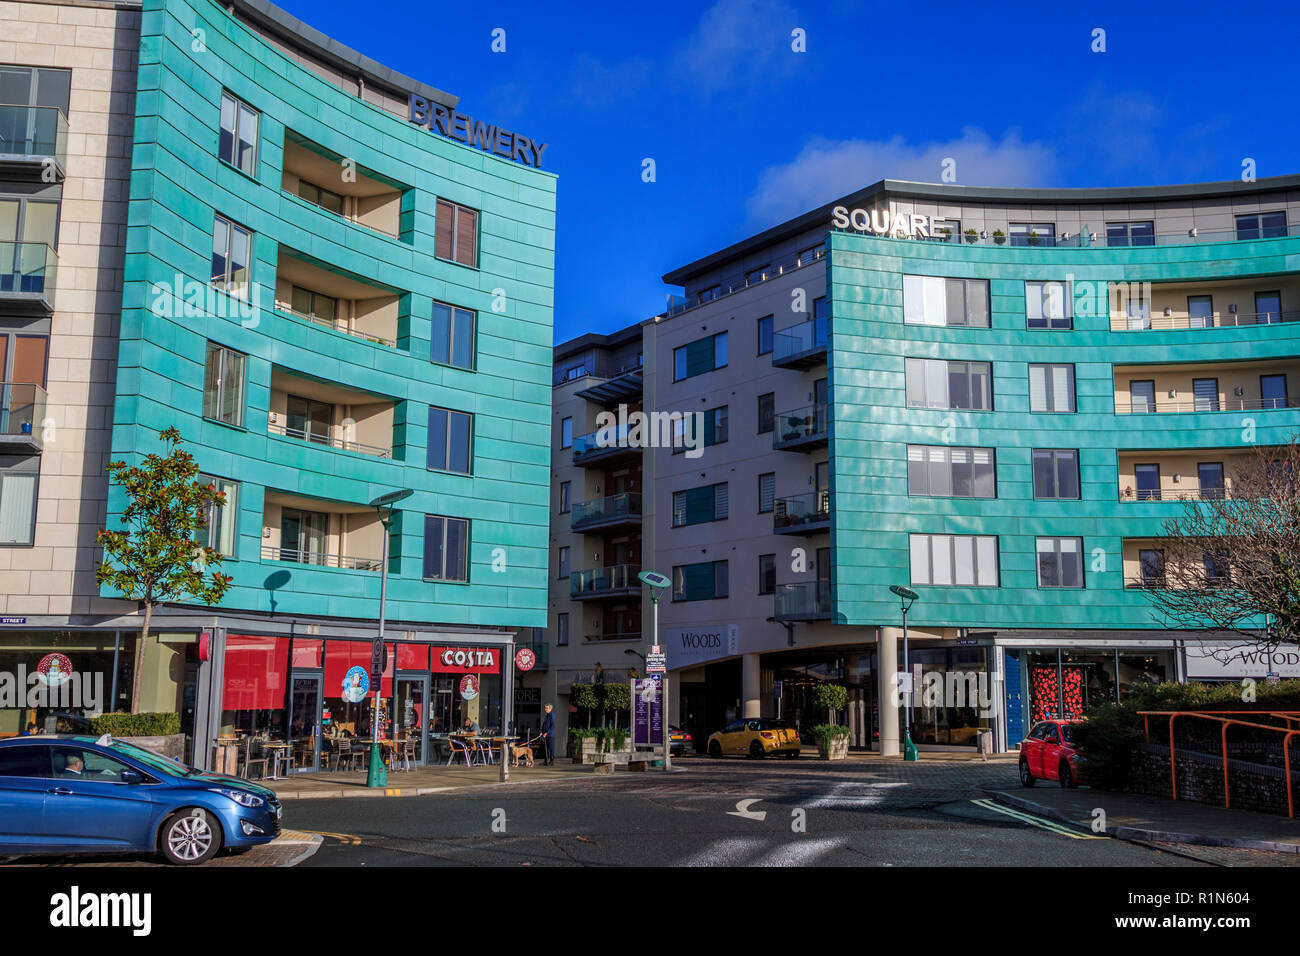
653,579
391,498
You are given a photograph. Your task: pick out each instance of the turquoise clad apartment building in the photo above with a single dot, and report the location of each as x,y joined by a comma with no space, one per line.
336,284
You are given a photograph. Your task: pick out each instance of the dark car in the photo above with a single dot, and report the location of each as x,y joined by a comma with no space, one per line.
679,742
66,793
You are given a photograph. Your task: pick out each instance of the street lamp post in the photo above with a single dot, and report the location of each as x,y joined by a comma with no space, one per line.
376,776
657,583
907,597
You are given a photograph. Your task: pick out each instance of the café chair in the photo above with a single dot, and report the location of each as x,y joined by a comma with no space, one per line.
254,756
458,747
346,754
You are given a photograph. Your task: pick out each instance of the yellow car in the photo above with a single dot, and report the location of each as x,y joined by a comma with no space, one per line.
755,737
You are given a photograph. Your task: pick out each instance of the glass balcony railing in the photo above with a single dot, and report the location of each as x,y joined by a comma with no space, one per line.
598,581
805,337
626,505
804,601
34,132
629,636
27,268
801,511
799,426
600,440
22,409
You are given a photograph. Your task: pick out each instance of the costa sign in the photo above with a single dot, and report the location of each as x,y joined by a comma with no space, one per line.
465,660
525,658
881,222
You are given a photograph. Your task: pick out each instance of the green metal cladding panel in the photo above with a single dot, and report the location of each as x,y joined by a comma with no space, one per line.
871,424
190,52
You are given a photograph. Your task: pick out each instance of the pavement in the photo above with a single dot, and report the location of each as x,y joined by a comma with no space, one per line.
420,781
290,848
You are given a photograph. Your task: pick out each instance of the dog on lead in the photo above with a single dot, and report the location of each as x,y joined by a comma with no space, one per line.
522,752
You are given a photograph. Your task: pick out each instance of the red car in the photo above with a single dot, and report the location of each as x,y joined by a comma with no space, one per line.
1049,753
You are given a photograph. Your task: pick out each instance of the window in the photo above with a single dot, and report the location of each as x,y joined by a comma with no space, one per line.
1151,567
1048,305
1265,225
18,480
562,559
1142,396
1268,308
766,412
1209,477
313,305
1148,482
31,761
766,492
566,504
1138,310
934,300
223,385
231,248
320,196
23,361
1200,312
702,355
452,336
238,143
566,433
1205,394
709,294
1060,562
1215,564
945,472
1051,388
955,559
700,505
715,426
1056,473
308,419
457,234
562,630
765,335
1032,233
936,383
35,86
767,574
1272,391
812,254
221,522
700,582
756,275
1131,233
446,548
450,439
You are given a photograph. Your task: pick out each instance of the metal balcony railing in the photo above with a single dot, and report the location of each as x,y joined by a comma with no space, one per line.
611,636
27,269
1218,320
807,600
799,511
799,425
338,326
319,558
33,133
320,438
1229,404
738,282
626,505
807,336
602,580
22,409
1213,492
594,367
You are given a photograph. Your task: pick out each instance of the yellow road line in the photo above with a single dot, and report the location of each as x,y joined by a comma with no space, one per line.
1039,822
345,838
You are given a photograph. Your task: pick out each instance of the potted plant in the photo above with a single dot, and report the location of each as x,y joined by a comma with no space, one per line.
946,232
834,697
582,745
999,236
971,235
832,741
1034,238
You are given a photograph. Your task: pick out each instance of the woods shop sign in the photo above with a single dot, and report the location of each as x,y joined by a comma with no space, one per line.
465,129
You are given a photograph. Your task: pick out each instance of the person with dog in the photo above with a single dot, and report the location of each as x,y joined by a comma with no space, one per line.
548,735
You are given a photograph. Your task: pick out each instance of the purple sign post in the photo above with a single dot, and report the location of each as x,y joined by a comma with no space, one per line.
648,711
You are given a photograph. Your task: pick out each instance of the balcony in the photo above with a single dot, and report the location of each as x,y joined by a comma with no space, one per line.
801,429
323,559
367,199
806,601
33,138
612,383
1214,320
801,346
329,415
741,281
27,277
610,637
342,303
617,583
1200,475
320,533
608,514
22,410
588,449
1207,387
802,514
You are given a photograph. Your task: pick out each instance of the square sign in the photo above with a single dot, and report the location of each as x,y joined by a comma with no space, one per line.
656,663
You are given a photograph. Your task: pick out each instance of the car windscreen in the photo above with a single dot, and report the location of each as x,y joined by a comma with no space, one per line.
152,760
1067,732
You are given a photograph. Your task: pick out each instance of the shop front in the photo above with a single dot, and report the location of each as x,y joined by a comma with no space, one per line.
54,681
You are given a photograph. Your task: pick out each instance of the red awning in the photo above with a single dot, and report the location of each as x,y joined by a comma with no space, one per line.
254,672
341,656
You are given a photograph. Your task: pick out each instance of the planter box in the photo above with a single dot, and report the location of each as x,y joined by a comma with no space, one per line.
172,745
833,748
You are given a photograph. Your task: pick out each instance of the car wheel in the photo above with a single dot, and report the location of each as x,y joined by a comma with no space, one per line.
715,749
190,837
1065,776
1026,778
756,750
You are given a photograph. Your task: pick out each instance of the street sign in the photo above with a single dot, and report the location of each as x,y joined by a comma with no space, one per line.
656,663
378,658
777,687
648,711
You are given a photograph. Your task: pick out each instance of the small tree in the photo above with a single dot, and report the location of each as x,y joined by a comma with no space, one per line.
584,696
158,558
834,697
618,697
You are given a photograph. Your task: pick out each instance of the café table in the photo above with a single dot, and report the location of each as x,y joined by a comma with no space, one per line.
279,751
226,754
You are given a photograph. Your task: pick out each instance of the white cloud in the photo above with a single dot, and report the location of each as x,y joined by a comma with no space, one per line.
827,169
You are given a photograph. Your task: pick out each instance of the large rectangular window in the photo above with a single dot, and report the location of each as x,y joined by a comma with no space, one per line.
702,355
1048,305
1151,568
766,412
1272,391
221,522
314,305
936,383
18,480
765,334
320,196
231,251
562,630
452,340
955,559
1142,396
1263,225
1032,233
1060,562
1051,388
700,505
1056,473
446,548
223,385
942,471
935,300
238,143
1131,233
700,582
450,440
456,234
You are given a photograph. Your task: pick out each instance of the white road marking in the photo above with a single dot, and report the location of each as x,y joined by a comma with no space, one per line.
742,810
1039,822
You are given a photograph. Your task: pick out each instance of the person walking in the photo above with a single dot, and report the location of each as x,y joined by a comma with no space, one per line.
548,735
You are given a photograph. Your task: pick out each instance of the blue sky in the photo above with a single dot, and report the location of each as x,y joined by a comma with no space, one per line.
745,132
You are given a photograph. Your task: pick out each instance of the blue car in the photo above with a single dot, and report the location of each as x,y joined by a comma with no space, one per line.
67,793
